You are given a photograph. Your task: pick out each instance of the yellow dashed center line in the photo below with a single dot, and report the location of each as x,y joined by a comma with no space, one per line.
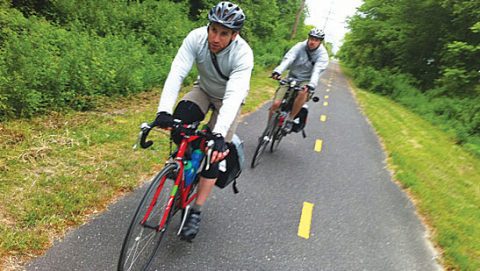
328,90
318,145
323,118
326,96
325,103
305,220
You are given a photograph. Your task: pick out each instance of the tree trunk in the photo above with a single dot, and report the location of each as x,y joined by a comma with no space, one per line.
297,18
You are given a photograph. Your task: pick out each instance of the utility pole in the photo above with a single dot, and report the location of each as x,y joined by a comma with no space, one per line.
328,16
297,18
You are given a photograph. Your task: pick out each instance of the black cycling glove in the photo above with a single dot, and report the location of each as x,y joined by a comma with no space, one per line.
219,143
310,88
275,75
163,120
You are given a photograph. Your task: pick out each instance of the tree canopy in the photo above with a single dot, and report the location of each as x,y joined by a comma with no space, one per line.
425,54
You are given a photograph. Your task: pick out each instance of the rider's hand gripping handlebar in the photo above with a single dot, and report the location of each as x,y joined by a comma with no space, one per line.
189,129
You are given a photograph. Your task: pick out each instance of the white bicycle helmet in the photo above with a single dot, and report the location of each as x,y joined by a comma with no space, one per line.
317,33
227,14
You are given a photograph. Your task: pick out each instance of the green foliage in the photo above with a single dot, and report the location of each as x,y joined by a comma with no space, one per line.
459,115
30,7
383,81
60,55
265,28
329,47
268,28
271,52
415,37
99,49
424,54
460,69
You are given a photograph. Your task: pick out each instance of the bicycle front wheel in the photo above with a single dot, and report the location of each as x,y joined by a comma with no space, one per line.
144,234
278,135
263,142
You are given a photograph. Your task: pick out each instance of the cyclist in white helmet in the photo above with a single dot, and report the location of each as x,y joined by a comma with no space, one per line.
224,61
305,62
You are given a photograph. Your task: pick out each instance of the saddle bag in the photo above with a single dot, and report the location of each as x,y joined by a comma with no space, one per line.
300,120
231,167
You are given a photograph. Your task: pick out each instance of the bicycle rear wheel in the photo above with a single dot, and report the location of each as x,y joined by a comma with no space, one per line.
144,235
263,142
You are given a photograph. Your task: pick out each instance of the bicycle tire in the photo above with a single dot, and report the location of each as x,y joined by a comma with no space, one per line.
278,135
263,142
141,242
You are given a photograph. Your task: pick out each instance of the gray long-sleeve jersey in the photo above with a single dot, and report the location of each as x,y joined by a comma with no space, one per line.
303,65
235,62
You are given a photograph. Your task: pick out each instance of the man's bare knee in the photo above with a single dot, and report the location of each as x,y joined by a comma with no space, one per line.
275,105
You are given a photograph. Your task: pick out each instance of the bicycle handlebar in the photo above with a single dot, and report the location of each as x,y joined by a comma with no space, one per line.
145,130
291,82
296,87
177,125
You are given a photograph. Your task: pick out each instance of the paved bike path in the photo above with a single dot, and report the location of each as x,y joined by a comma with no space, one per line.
361,220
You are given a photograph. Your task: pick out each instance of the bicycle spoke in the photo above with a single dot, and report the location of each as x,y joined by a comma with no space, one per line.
277,137
263,141
143,236
136,254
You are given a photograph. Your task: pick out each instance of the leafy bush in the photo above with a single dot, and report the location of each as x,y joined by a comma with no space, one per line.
375,80
271,53
428,63
459,115
46,67
57,55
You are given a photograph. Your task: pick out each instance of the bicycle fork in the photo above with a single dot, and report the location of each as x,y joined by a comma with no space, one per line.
168,208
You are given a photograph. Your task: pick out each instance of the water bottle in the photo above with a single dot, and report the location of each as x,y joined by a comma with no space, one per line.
189,172
197,157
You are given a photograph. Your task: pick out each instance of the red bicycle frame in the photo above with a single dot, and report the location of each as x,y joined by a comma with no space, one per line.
179,183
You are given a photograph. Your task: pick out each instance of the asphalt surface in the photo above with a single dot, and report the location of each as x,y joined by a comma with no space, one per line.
361,220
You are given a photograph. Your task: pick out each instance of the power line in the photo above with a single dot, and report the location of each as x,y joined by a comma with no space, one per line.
328,15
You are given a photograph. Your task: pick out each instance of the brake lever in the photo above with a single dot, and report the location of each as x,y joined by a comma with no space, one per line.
145,130
137,142
209,153
143,127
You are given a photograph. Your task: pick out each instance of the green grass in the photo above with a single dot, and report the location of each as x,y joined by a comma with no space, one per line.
443,178
57,170
262,89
